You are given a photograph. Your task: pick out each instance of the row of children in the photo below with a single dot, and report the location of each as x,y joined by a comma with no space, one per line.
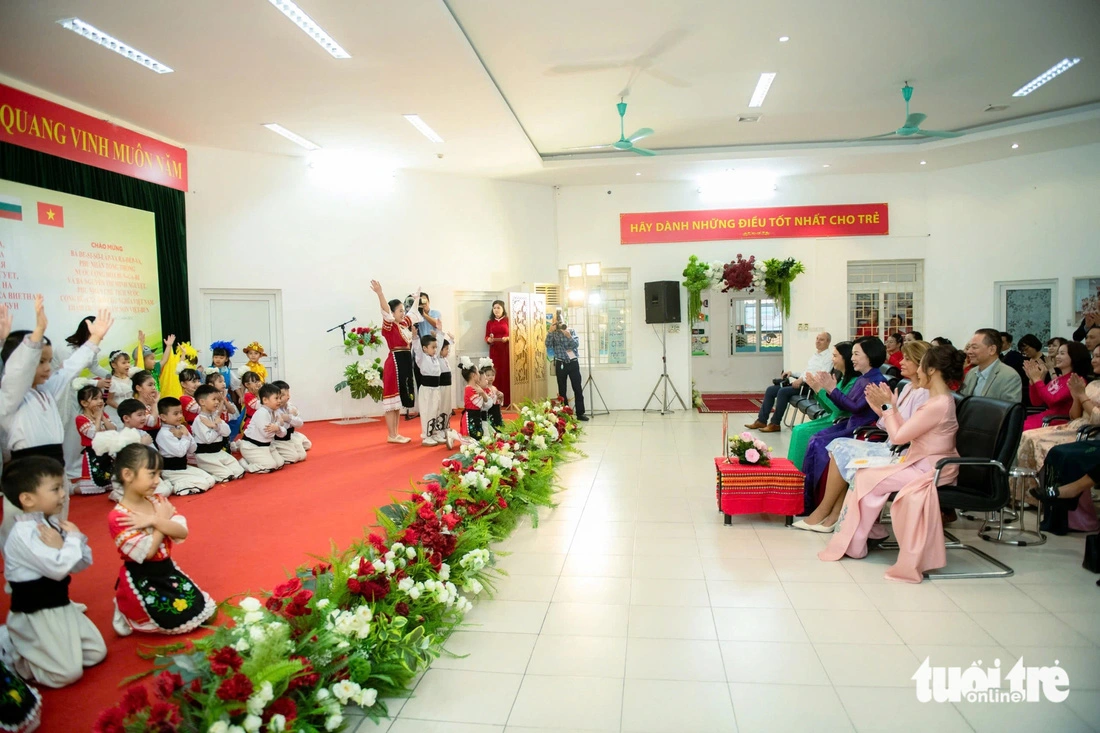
48,639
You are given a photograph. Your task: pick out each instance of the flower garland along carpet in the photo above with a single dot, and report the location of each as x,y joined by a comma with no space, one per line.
358,626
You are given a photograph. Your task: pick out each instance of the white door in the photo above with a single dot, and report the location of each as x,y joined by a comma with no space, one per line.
1027,306
244,316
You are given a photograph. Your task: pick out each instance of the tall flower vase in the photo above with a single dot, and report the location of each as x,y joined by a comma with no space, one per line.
352,411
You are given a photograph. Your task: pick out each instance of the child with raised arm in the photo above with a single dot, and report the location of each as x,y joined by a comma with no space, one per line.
51,639
256,443
397,370
211,432
152,593
428,395
34,427
175,443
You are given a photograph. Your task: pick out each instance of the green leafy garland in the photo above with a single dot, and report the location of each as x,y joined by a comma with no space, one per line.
696,280
360,625
778,276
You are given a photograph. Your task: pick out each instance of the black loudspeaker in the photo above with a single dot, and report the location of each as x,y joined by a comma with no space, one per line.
662,302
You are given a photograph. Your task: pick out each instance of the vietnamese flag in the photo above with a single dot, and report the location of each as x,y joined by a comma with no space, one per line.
51,215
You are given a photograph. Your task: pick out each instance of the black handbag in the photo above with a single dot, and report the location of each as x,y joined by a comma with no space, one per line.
1092,553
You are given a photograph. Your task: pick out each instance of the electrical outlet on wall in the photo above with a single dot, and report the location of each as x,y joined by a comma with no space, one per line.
674,328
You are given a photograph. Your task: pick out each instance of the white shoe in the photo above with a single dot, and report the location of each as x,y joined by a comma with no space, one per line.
398,439
118,623
801,524
430,442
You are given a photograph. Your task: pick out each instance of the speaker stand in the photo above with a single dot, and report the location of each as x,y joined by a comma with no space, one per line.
664,380
590,406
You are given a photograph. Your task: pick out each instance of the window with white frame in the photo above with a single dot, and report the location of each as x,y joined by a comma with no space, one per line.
884,297
606,298
756,326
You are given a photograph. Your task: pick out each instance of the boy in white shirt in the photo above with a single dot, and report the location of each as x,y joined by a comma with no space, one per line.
296,422
175,442
428,397
256,443
291,451
211,433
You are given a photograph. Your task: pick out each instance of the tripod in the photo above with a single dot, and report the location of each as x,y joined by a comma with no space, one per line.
595,389
664,380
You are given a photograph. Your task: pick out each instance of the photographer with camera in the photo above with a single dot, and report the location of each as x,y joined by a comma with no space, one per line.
562,341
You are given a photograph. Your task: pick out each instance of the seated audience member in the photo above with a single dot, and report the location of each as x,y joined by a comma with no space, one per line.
1051,352
1090,320
941,341
893,349
779,396
1075,470
1030,347
915,512
868,354
990,377
1072,359
846,453
1035,445
846,376
913,336
1092,338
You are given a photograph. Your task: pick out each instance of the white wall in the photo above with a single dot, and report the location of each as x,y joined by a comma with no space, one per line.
261,221
1030,217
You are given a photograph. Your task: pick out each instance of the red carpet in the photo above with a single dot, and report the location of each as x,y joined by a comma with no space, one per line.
732,402
245,536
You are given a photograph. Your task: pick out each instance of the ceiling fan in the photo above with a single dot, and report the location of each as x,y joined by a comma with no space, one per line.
641,64
912,126
624,142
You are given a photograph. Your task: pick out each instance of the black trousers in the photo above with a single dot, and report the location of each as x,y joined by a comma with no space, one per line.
572,371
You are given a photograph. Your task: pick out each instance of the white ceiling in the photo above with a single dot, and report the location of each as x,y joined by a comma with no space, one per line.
239,64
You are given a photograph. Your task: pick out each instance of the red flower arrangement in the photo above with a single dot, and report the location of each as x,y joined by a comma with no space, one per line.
738,274
236,688
225,659
362,338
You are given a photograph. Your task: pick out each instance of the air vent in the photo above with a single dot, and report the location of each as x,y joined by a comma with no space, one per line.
748,118
996,108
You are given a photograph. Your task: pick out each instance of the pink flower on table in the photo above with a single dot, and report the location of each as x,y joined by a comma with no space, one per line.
760,445
752,455
746,436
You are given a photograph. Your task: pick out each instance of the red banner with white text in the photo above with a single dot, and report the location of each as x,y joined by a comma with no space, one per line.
38,124
777,222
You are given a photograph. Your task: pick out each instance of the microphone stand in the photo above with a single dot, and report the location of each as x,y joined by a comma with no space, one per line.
342,327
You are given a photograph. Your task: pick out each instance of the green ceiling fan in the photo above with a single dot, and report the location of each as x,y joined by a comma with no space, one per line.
912,127
624,142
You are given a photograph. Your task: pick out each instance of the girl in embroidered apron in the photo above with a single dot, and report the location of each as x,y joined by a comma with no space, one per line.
397,372
152,594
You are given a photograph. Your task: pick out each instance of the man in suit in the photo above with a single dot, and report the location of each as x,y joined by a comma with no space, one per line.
990,377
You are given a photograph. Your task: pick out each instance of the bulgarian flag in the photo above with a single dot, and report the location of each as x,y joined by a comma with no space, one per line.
11,208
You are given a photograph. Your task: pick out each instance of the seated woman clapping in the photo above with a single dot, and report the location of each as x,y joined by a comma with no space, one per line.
915,513
846,454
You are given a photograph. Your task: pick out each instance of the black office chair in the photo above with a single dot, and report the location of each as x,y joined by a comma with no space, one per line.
989,434
1048,476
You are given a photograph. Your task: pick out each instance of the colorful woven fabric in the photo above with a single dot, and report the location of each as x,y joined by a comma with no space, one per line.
747,489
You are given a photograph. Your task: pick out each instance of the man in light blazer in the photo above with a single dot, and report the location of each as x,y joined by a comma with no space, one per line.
990,377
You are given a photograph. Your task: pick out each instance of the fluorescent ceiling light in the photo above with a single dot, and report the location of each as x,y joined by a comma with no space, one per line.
1059,68
421,125
93,34
1015,145
762,88
784,39
825,165
730,184
311,29
292,137
924,162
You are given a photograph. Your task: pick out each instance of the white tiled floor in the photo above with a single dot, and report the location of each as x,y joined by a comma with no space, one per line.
632,608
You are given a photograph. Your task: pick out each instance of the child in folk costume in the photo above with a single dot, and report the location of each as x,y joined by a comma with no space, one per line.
475,401
211,433
255,351
95,472
397,371
189,382
32,425
51,639
251,400
296,421
175,443
221,358
148,360
107,444
226,409
121,388
496,419
69,408
263,427
145,392
291,450
170,383
428,395
446,392
152,593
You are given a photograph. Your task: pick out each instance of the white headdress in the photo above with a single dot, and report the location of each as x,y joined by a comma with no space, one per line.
485,363
465,362
112,441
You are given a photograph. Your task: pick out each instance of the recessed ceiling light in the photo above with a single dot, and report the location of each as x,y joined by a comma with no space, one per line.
826,165
299,18
762,87
924,162
1061,67
784,39
421,125
93,34
1015,145
637,174
292,137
